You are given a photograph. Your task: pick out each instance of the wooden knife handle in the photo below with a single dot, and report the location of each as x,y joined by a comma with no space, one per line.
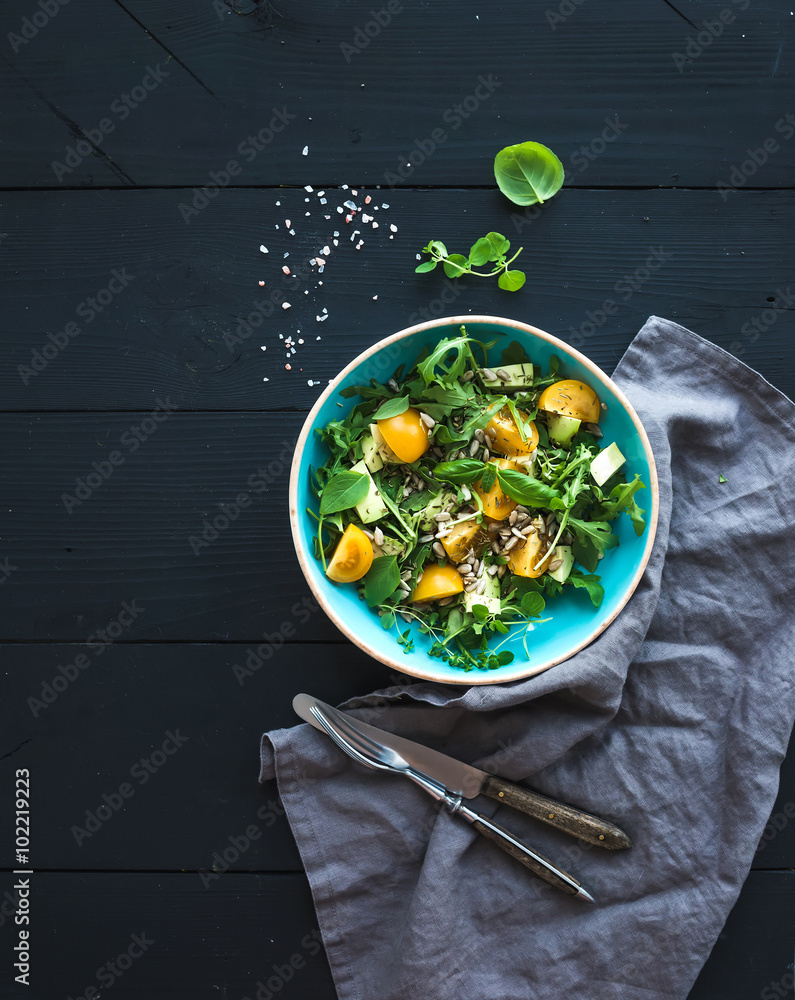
573,821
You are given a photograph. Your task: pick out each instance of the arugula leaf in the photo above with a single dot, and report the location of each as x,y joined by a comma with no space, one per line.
590,583
452,396
622,498
463,470
525,489
382,580
590,539
392,408
459,346
528,173
343,491
514,354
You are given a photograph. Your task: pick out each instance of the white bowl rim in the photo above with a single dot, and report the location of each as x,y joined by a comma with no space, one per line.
488,677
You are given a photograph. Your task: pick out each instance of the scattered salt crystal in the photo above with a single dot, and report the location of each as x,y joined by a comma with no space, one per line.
384,205
266,380
286,269
393,228
287,223
366,218
317,338
263,248
263,348
349,218
320,194
336,233
326,250
350,205
344,187
335,242
325,310
354,193
309,381
354,234
306,291
281,336
359,245
306,199
375,297
309,188
367,200
289,367
285,305
418,256
375,225
307,213
323,201
321,319
340,209
286,255
300,339
320,269
326,216
261,284
292,232
278,203
319,261
305,151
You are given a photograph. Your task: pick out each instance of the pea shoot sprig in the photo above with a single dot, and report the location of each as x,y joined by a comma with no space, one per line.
489,249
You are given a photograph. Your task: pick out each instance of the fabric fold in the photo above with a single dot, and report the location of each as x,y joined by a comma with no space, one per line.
672,723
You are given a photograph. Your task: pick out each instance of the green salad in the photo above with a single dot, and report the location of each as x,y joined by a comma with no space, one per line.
464,493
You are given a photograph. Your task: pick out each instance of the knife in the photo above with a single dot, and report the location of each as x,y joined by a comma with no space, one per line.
469,781
342,730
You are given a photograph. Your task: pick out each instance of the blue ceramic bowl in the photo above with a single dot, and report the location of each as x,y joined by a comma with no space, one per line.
575,622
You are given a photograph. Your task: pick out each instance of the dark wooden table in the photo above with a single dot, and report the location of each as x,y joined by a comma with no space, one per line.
148,150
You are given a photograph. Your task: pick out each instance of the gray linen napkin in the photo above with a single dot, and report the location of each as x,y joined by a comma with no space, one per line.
673,723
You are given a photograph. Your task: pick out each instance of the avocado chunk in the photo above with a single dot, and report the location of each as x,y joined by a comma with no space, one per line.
561,574
518,377
435,506
371,456
373,506
606,464
490,598
562,429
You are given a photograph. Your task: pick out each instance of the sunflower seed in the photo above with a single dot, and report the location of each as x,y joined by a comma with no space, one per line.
480,587
486,454
527,529
469,587
463,569
501,571
512,517
600,555
368,533
510,544
444,601
492,433
443,516
407,491
467,376
481,569
594,429
503,375
427,420
521,509
438,550
393,385
426,538
492,570
466,493
378,536
406,575
480,436
405,588
489,374
405,617
495,548
517,533
555,564
473,448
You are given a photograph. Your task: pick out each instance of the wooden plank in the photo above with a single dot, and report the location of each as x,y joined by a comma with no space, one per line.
145,533
179,327
189,805
88,739
367,110
245,929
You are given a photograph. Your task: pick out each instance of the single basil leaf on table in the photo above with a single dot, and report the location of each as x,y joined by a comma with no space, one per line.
525,489
464,470
342,491
392,408
511,281
528,173
382,580
455,265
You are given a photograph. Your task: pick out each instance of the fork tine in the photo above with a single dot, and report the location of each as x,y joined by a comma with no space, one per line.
344,745
348,727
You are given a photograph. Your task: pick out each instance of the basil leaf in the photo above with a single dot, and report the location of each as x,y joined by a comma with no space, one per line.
392,408
455,265
511,281
590,583
382,580
528,173
342,491
525,489
427,265
464,470
480,252
488,477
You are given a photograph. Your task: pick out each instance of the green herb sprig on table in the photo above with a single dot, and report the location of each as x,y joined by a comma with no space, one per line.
489,249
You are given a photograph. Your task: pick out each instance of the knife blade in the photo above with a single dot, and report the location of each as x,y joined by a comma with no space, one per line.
468,781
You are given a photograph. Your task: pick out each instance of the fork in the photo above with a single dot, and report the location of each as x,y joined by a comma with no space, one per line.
381,758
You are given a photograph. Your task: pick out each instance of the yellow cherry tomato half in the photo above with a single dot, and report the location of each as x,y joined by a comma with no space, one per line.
571,398
506,439
352,557
437,582
406,435
497,505
523,558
